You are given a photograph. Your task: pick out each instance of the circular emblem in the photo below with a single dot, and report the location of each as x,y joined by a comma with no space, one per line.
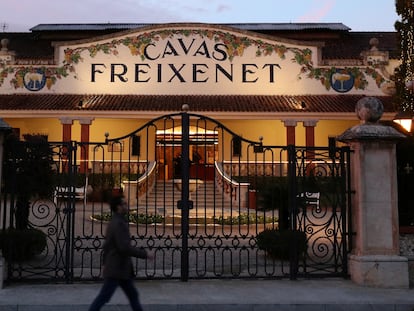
35,80
342,81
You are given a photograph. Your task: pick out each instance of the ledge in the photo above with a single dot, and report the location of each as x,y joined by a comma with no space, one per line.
372,132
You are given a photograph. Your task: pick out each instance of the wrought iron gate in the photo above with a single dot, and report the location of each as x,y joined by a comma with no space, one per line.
205,201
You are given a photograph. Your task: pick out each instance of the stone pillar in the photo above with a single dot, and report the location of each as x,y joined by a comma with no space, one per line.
290,131
374,259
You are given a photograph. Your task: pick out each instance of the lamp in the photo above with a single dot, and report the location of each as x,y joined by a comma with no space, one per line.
80,104
405,119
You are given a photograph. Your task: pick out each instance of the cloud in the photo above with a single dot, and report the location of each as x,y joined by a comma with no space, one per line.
223,8
321,9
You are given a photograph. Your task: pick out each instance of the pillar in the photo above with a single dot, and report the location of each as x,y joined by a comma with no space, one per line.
310,132
290,131
67,123
85,130
66,128
310,142
374,259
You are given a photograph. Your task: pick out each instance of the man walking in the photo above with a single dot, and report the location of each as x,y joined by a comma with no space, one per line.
117,263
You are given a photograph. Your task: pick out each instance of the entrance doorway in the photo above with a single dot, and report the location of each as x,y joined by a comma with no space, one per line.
203,152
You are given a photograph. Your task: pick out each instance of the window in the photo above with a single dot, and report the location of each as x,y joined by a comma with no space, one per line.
136,145
236,144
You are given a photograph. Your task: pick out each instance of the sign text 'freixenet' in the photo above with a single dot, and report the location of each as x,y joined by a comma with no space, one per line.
158,69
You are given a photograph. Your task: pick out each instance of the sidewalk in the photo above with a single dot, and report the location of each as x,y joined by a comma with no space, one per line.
206,295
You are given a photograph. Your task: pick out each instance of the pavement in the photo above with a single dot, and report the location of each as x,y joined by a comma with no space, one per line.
209,295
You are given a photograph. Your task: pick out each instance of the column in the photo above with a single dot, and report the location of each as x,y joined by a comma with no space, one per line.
375,259
310,142
84,156
290,131
67,123
310,132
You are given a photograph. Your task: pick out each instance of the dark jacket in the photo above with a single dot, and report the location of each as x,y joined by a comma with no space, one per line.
117,250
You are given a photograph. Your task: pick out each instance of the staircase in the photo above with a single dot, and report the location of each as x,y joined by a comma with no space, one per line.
206,199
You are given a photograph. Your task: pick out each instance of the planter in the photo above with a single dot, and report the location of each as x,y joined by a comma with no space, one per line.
252,199
116,192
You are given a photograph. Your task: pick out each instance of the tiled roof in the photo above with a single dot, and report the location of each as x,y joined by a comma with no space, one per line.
339,42
243,26
198,103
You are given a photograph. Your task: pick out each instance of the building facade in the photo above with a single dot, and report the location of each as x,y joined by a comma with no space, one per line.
287,83
267,85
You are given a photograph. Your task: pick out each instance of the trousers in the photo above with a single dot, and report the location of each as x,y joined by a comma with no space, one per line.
108,290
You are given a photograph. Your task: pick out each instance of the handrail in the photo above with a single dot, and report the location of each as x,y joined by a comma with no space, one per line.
220,170
135,189
235,191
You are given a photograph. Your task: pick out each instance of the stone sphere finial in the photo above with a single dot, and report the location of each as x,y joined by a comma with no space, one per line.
4,43
369,109
185,107
373,42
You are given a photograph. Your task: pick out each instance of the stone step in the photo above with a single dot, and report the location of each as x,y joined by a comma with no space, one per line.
205,196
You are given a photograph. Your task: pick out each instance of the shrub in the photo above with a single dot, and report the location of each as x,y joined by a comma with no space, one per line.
279,243
22,245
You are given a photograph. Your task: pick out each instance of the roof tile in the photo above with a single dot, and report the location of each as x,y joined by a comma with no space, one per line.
198,103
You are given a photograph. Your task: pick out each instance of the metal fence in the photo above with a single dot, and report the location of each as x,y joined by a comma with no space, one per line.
205,201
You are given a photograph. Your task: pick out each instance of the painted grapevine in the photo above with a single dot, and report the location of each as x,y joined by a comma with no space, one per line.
235,47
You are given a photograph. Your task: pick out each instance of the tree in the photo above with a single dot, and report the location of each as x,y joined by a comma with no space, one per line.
404,74
29,172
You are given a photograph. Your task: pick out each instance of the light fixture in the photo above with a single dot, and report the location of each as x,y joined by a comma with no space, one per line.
405,119
81,104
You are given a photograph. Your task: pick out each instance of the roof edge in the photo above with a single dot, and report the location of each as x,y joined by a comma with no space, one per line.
188,25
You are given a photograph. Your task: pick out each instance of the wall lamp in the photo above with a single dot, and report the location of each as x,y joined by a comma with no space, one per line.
405,119
81,104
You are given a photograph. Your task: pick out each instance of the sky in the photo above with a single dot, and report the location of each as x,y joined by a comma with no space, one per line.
359,15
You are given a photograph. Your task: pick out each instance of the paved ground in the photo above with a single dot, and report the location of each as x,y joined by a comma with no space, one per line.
206,295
